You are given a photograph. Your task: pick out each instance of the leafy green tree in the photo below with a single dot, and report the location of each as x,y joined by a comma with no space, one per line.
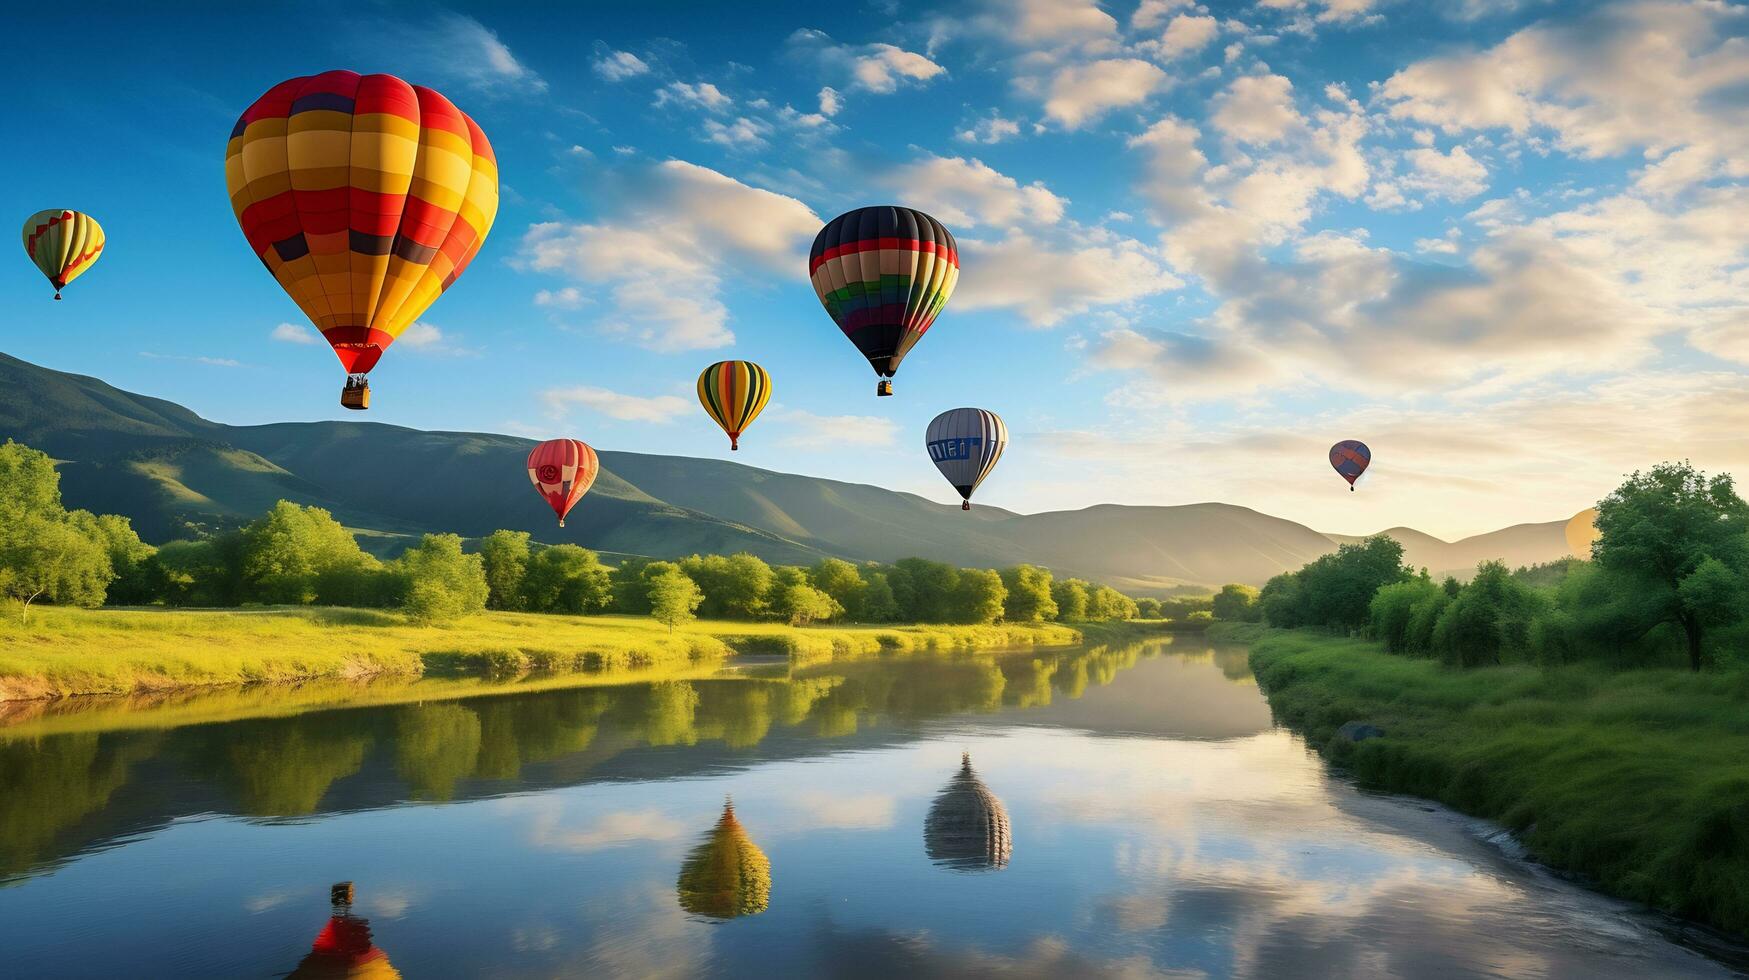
505,554
1393,611
441,582
1071,597
566,579
839,579
1235,603
50,560
1336,590
29,485
631,591
1489,621
1660,527
1179,608
1105,603
674,598
1029,595
799,603
978,596
136,581
202,573
286,550
734,587
1281,602
876,604
1147,608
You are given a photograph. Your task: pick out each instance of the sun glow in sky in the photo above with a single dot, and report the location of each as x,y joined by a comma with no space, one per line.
1501,241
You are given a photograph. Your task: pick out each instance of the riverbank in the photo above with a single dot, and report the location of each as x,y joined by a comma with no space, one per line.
70,652
1635,780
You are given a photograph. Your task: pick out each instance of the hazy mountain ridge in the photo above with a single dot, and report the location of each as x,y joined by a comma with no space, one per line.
176,473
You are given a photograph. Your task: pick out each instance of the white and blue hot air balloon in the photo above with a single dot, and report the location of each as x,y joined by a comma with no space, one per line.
965,444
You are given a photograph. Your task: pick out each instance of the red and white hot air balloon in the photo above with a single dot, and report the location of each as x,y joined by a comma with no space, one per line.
562,470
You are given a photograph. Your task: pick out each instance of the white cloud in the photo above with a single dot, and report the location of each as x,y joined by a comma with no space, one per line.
1257,109
1328,11
617,66
993,129
805,430
830,101
614,404
1078,94
429,339
879,68
568,298
1050,22
1152,13
964,192
664,251
740,133
702,95
295,333
1454,176
457,48
1662,78
1188,34
1045,284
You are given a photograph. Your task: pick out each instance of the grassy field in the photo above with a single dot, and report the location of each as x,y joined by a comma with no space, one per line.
65,652
1637,780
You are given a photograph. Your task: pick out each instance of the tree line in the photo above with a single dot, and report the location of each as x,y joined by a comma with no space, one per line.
1666,582
301,555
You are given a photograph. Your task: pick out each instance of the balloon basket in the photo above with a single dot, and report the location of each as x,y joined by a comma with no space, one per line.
356,394
965,505
340,894
57,297
884,387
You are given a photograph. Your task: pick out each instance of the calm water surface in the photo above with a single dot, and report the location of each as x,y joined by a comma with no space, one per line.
1124,811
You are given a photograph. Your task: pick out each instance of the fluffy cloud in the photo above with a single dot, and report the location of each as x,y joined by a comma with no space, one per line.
568,298
662,255
740,133
428,338
613,404
1325,11
1044,284
1454,176
1188,34
617,66
457,48
702,95
1152,13
1080,93
1050,22
993,129
967,193
1661,78
830,101
295,333
879,68
1257,109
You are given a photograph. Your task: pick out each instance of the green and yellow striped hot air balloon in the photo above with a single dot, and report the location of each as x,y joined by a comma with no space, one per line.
63,244
733,393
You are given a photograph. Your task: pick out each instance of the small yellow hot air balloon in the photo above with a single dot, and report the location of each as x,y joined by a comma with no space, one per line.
733,393
63,244
1582,533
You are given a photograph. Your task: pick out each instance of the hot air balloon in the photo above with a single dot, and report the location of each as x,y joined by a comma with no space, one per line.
344,947
1581,533
965,444
967,827
562,470
1349,458
733,393
366,197
883,275
63,244
727,875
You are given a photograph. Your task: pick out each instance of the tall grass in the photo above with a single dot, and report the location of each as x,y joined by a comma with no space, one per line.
1637,779
66,652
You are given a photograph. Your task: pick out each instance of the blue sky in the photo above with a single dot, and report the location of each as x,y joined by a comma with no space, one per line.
1502,242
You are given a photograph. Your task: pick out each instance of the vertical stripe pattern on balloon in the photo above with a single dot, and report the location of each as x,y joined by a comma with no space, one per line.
365,197
884,274
733,394
965,445
62,244
562,471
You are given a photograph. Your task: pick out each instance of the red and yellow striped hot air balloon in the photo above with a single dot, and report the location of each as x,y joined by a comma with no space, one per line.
366,197
562,470
733,393
63,244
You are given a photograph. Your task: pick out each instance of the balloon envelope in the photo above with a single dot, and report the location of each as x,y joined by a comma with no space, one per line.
365,197
883,274
562,470
965,444
734,393
1581,533
62,244
1350,458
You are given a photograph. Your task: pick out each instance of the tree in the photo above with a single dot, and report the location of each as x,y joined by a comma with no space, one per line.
1147,608
42,558
1660,527
799,604
1071,597
1235,604
924,590
839,579
566,579
287,549
876,604
1393,611
1281,602
978,596
1336,590
505,556
673,597
734,587
1029,595
130,558
1105,603
631,592
1489,621
440,582
29,485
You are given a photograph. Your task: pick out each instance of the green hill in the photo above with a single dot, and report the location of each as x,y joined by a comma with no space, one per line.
177,474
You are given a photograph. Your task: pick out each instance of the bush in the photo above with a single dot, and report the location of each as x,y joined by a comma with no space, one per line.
1235,604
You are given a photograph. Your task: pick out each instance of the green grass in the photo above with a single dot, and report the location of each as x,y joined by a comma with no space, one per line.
64,652
1637,780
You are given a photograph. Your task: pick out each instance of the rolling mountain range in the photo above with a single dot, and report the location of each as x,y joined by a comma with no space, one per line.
179,475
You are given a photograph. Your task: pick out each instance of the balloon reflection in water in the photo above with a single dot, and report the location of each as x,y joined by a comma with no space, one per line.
343,948
967,827
726,875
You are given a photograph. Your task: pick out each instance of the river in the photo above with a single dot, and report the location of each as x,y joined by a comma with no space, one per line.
1123,811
